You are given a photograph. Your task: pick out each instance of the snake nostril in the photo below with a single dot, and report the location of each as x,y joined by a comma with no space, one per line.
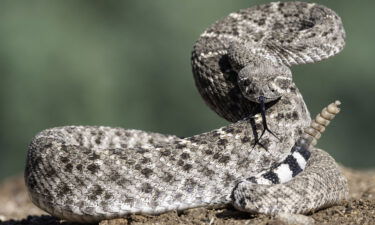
250,91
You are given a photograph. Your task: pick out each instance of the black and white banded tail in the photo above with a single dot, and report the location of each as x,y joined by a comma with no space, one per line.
296,161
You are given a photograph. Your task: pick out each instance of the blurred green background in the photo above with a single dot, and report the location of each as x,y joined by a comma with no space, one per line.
127,63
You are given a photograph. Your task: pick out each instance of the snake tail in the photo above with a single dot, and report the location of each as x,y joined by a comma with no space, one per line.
295,162
273,192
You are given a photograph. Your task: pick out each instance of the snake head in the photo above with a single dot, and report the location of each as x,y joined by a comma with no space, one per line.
266,81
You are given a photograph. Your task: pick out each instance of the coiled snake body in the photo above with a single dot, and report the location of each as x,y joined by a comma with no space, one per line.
241,67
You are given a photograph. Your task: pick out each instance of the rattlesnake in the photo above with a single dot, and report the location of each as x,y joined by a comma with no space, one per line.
241,68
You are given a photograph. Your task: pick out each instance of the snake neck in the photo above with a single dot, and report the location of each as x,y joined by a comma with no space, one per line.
287,118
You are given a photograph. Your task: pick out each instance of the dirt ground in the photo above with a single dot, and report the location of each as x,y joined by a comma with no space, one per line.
16,209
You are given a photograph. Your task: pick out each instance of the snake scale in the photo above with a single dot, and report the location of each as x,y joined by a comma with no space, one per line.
262,162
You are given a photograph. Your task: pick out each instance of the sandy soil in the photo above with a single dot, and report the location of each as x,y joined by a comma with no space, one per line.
16,209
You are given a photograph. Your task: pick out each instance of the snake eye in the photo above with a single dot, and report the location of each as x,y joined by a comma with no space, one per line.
246,82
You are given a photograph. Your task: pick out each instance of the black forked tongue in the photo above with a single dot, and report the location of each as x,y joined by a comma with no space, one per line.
264,121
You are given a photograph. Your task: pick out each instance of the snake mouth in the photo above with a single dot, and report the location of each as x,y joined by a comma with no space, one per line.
263,99
268,102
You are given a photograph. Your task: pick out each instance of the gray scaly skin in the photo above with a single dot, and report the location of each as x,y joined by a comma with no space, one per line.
86,174
248,53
